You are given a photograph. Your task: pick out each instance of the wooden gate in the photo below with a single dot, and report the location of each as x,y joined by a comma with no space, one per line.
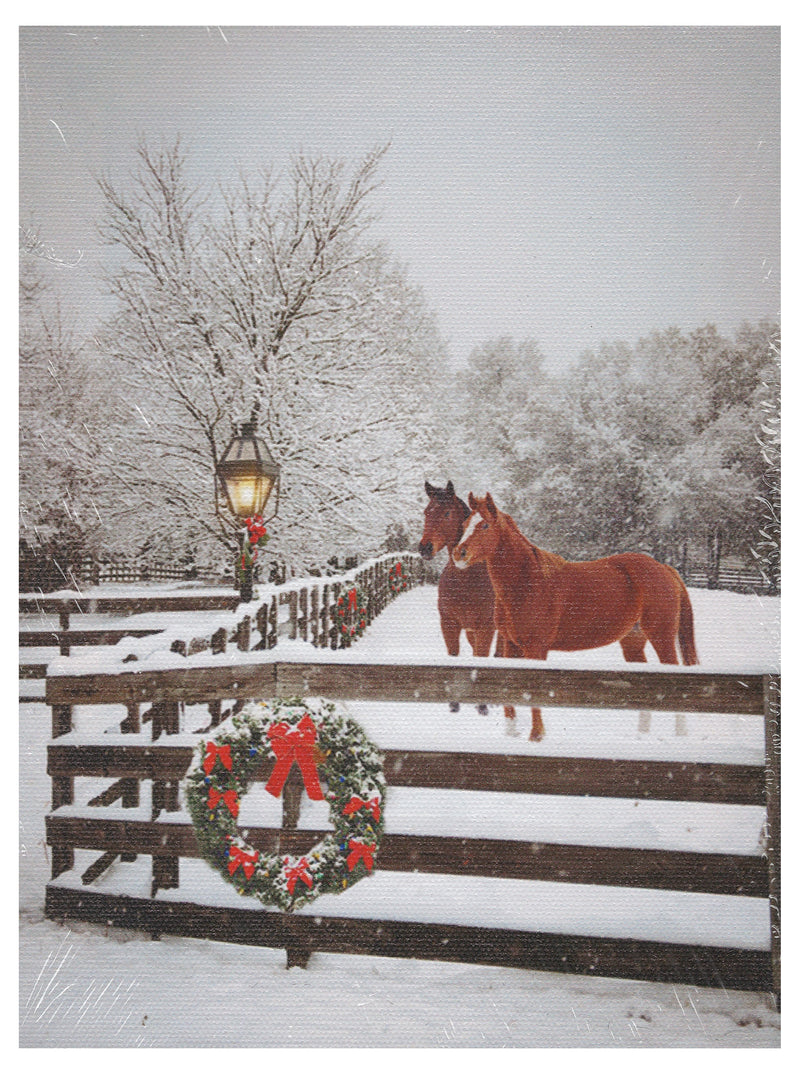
163,713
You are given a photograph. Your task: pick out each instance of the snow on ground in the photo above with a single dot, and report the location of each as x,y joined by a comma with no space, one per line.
84,986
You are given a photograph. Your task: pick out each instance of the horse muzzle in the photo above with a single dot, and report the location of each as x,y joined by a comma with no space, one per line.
459,557
426,549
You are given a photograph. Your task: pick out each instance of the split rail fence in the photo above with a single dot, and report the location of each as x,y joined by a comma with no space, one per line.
308,610
183,703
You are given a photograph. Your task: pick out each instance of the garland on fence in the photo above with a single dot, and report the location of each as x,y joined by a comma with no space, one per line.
351,612
329,747
398,579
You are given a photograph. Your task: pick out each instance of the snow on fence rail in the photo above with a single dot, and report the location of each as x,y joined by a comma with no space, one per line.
303,608
136,820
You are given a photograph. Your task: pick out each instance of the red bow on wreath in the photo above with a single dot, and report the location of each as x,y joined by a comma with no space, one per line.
360,852
214,753
238,857
356,803
298,871
230,799
352,600
290,746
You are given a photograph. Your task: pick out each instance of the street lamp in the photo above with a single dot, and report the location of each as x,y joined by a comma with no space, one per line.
248,474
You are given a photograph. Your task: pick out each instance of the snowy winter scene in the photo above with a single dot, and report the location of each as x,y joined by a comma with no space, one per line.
399,538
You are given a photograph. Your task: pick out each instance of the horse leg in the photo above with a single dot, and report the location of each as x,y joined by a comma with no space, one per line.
537,724
451,631
633,645
481,641
664,646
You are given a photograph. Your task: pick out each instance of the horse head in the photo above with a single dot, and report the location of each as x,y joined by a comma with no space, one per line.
481,532
444,520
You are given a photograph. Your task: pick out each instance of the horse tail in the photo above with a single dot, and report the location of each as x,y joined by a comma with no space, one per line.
686,626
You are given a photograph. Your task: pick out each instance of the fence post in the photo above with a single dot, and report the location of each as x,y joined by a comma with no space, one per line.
272,638
772,777
63,792
314,615
131,725
302,620
334,635
293,615
166,718
262,620
324,618
243,635
298,951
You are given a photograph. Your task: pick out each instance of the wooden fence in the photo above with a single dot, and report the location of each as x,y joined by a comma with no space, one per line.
733,579
204,696
307,610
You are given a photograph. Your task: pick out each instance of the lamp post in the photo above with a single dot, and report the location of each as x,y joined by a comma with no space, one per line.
248,474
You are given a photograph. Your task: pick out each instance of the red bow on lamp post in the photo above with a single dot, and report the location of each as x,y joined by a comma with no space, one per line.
290,746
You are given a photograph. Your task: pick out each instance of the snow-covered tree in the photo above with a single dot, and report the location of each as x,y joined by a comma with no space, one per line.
670,446
266,302
60,411
499,393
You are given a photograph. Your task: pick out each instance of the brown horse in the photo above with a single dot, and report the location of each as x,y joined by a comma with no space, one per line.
544,602
466,597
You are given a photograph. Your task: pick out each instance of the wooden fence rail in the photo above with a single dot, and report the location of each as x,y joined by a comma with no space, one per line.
313,611
159,698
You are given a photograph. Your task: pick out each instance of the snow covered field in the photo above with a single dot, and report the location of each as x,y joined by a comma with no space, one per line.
85,986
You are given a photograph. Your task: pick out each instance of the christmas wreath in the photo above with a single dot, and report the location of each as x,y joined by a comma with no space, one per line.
351,613
329,748
398,579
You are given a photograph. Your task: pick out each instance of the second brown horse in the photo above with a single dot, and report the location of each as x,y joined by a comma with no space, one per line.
466,597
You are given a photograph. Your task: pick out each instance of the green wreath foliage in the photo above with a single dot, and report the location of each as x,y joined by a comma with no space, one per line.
399,581
350,772
351,612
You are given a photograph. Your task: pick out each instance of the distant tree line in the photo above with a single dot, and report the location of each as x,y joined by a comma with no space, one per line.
268,300
669,446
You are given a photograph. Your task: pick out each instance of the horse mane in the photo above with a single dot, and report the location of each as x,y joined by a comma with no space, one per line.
549,563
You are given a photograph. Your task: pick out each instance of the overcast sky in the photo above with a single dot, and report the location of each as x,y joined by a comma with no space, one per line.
568,185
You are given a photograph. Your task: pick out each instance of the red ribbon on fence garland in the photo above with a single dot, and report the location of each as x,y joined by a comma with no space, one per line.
214,753
238,857
230,798
360,852
298,871
356,803
290,746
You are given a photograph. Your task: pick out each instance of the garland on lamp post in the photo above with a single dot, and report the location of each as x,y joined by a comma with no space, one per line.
254,536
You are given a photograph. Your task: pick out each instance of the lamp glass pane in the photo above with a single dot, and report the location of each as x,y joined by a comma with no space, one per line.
248,494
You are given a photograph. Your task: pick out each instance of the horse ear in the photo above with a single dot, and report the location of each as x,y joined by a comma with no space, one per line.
450,490
491,507
473,503
429,489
